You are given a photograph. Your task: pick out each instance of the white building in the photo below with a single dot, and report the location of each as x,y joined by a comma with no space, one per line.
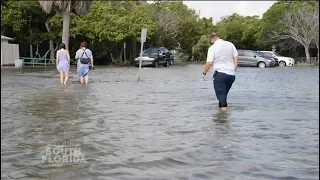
5,39
9,52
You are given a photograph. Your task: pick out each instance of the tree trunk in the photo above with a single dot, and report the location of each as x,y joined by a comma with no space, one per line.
51,45
130,52
57,46
66,27
30,31
318,57
31,51
124,53
318,53
306,50
51,50
112,58
116,53
120,54
134,50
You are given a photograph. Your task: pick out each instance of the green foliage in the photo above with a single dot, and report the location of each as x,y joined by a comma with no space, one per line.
18,16
242,31
201,48
270,22
172,24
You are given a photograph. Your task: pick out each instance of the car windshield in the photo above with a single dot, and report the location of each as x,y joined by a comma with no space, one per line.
260,54
266,54
148,52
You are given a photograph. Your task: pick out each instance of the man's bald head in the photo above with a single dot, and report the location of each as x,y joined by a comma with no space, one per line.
214,37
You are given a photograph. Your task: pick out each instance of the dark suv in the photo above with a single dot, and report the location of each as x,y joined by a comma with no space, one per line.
154,57
267,55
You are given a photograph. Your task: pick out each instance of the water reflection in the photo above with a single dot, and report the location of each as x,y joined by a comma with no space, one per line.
221,117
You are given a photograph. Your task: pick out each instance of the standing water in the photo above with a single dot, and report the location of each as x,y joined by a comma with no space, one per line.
167,126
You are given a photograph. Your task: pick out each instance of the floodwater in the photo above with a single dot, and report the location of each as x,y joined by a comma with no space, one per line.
165,127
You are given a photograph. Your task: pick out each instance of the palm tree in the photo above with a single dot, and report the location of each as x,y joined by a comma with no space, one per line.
65,7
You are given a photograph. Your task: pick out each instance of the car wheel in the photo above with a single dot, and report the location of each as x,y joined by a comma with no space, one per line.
282,64
261,65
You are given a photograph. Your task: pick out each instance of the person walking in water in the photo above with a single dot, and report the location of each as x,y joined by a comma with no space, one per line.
223,55
85,60
63,63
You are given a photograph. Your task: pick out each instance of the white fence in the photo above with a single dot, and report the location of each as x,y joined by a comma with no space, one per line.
9,53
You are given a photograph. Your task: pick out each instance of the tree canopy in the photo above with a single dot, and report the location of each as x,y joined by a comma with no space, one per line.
110,24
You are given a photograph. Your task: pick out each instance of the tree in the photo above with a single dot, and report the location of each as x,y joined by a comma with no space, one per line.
167,24
201,48
26,17
299,26
66,7
250,33
316,28
269,23
4,3
188,26
231,28
240,30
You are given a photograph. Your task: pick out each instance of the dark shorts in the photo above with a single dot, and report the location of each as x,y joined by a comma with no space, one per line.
222,83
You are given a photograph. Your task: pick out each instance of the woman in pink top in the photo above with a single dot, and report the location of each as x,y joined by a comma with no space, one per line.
63,63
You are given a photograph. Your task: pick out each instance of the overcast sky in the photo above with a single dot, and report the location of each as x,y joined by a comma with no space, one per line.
218,9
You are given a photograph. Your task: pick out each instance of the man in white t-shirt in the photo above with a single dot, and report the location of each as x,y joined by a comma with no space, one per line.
223,55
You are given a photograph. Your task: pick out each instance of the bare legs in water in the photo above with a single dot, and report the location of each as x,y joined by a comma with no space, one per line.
84,79
64,78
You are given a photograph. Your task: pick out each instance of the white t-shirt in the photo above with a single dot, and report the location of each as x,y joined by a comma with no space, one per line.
221,53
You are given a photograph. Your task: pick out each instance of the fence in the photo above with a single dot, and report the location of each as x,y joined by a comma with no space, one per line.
36,61
304,60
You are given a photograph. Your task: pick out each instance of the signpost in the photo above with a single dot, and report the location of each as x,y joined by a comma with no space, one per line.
143,39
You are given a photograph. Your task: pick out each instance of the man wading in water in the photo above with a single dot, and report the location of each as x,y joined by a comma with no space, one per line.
223,55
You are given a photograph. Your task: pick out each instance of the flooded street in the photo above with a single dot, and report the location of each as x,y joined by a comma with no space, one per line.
166,127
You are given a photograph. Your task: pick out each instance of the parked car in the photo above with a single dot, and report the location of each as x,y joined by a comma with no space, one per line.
249,58
269,56
154,57
283,61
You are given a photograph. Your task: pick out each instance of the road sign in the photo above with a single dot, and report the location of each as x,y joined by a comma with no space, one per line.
143,35
143,39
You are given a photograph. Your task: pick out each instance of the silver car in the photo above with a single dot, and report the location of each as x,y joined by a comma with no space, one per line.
249,58
283,61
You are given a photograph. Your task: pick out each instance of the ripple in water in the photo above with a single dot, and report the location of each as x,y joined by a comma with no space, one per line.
166,126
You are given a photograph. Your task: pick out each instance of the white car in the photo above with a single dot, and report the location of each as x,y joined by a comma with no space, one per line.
283,61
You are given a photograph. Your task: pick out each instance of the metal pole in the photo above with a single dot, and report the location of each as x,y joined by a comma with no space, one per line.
140,60
143,39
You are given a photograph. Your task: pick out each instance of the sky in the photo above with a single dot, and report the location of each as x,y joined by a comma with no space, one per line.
219,9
